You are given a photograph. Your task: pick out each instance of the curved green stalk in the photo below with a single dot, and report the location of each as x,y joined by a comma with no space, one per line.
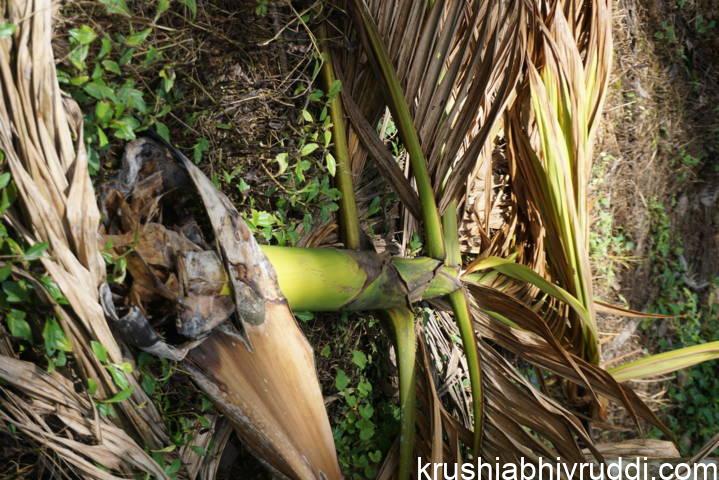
458,300
401,319
435,239
523,273
407,131
403,326
349,218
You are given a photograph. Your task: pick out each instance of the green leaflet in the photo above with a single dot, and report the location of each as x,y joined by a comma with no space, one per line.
667,362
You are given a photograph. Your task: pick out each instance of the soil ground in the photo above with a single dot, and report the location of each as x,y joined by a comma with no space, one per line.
658,147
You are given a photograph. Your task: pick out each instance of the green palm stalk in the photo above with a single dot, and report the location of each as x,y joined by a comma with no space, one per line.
399,317
434,237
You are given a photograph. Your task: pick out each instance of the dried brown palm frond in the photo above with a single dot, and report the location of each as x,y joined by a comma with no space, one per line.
457,64
519,419
428,60
550,132
265,379
454,68
540,348
66,426
41,137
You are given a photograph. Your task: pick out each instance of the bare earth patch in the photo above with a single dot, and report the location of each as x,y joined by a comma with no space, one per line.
657,153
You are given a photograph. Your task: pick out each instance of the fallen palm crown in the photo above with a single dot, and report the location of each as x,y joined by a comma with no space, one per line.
468,85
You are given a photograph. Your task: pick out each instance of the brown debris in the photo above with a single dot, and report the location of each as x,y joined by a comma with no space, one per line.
257,367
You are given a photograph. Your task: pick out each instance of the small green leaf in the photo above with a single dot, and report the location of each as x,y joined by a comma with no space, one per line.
106,410
263,219
4,179
335,88
144,359
326,351
242,186
205,404
366,430
54,337
125,367
281,159
162,7
172,469
126,56
111,66
359,359
198,450
120,396
364,388
204,421
97,72
105,47
304,316
36,251
83,35
331,163
316,95
118,376
18,326
148,384
99,90
101,138
136,39
191,5
374,207
199,149
91,387
168,78
366,411
7,29
125,127
132,98
308,149
162,131
60,359
79,80
152,56
53,290
5,272
15,292
99,350
341,380
7,197
116,6
307,116
170,448
78,55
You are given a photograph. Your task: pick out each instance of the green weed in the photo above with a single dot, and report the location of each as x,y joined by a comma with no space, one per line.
120,80
609,246
694,413
30,322
365,422
667,33
303,177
